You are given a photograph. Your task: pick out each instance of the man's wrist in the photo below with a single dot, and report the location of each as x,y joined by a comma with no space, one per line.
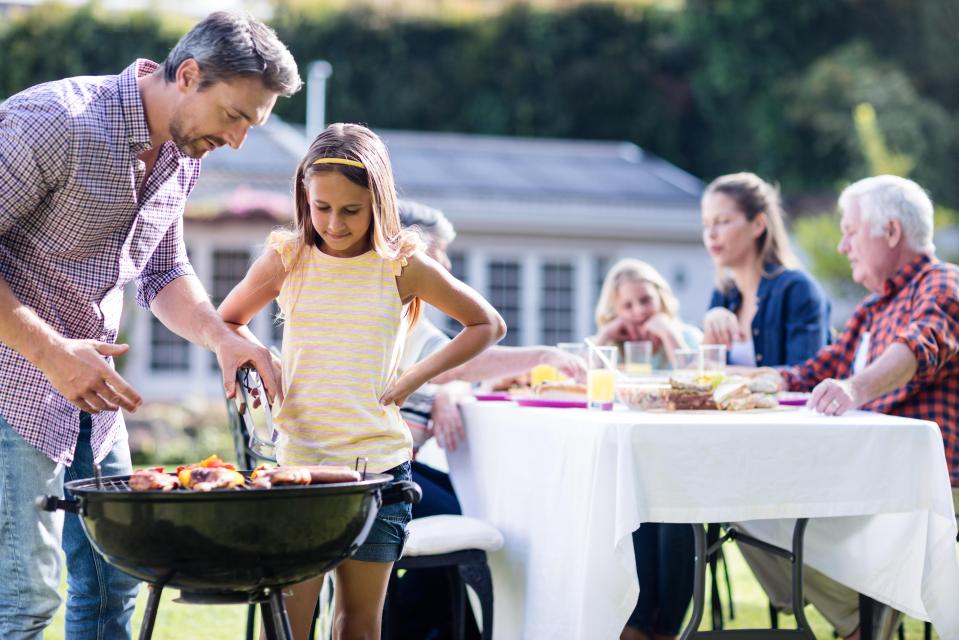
41,344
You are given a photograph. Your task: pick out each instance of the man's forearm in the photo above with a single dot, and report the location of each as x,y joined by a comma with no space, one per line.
495,362
895,367
184,307
22,329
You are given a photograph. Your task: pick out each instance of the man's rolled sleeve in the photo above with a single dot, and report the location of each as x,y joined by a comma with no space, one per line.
168,262
933,333
832,361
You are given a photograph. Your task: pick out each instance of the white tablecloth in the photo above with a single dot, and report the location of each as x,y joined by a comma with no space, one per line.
567,488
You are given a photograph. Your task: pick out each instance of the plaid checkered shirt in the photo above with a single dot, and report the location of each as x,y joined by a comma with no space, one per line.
74,231
918,307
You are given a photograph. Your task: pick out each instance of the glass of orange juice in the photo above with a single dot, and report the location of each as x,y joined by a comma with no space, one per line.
639,357
601,377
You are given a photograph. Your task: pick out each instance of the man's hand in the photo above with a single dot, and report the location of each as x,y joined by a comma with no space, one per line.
720,326
233,351
447,420
79,371
834,397
571,366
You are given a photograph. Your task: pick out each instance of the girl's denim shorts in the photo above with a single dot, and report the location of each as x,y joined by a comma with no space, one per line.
388,535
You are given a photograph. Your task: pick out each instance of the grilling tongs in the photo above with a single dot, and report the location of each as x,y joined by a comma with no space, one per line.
249,388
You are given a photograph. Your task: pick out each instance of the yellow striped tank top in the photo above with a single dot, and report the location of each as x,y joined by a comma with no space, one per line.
342,341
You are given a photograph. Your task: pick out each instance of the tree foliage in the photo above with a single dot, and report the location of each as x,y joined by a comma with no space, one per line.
714,86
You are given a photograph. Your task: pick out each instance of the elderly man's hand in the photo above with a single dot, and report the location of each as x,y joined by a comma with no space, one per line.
834,397
447,420
235,351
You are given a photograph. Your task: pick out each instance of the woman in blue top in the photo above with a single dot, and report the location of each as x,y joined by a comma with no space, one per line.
764,309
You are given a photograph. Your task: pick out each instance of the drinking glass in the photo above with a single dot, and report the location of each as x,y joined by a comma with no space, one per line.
601,377
573,348
688,361
713,357
639,357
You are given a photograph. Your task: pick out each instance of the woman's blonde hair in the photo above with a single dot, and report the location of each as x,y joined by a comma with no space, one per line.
357,144
632,270
754,196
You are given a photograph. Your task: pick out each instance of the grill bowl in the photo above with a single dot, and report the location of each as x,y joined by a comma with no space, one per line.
227,540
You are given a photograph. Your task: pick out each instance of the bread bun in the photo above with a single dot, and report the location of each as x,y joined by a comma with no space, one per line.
560,391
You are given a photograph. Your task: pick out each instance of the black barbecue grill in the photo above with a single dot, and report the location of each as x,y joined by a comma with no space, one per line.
231,545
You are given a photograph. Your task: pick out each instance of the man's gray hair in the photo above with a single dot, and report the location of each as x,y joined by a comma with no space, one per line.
431,223
227,45
884,198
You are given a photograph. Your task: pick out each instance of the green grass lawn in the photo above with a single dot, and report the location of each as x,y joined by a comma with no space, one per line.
177,621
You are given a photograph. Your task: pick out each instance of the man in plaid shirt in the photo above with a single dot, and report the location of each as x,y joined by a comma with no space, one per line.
897,354
94,175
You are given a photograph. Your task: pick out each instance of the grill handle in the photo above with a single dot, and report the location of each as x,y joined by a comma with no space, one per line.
402,491
53,503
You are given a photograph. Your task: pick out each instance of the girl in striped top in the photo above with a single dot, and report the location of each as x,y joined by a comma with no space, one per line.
350,283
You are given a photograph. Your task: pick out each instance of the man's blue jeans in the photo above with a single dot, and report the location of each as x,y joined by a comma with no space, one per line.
100,599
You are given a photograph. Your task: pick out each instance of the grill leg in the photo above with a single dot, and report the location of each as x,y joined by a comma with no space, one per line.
275,621
150,614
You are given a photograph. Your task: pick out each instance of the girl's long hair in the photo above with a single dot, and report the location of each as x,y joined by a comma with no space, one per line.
354,142
754,196
632,270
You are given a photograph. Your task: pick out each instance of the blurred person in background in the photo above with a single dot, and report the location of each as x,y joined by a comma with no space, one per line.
898,354
636,303
764,308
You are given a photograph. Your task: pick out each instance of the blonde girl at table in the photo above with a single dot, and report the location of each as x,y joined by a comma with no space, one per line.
636,303
349,283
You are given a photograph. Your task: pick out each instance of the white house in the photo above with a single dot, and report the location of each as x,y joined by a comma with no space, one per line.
539,222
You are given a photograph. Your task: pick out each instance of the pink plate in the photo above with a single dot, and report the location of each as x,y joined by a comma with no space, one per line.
492,397
550,404
793,398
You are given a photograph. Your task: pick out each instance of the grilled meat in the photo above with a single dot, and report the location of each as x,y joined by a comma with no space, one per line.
209,478
153,480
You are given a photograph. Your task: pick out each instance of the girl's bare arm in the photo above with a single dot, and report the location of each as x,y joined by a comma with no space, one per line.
424,278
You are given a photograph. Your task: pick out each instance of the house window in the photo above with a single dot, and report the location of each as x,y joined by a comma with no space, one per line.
458,269
168,351
505,288
556,309
229,267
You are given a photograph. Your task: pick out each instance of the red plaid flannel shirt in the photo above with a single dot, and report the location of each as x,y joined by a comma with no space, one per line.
919,307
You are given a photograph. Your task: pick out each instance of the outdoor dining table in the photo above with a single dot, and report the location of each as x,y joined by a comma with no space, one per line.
567,487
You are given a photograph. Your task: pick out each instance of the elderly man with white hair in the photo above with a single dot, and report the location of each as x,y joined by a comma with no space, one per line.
896,355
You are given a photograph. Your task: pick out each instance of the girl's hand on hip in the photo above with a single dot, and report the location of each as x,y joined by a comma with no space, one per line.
399,390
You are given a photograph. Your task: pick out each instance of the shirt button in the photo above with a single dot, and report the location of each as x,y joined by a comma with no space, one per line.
759,357
755,332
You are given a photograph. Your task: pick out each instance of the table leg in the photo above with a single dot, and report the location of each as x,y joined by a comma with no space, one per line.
699,582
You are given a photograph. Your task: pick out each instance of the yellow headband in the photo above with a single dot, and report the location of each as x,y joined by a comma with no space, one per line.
352,163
